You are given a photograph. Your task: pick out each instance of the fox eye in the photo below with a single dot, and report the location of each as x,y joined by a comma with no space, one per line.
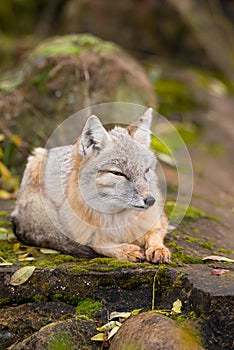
118,173
147,170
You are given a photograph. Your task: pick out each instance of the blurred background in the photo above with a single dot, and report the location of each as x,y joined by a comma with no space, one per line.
194,32
176,56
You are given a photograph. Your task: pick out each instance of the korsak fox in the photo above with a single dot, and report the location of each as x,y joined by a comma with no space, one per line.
97,196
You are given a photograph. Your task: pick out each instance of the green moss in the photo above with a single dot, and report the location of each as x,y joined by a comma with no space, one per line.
88,307
61,341
5,301
207,245
225,251
105,264
72,44
174,97
185,258
69,299
176,212
39,297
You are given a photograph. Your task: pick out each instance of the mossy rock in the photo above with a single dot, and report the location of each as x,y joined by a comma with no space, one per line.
153,331
61,76
70,334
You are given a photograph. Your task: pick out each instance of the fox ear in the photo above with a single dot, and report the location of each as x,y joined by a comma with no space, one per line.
93,137
140,130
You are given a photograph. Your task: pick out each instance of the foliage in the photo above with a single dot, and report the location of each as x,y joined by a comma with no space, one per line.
9,181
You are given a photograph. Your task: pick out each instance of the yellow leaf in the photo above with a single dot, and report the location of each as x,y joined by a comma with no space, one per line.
99,337
16,247
22,275
177,305
1,153
49,251
113,332
16,139
108,326
2,137
4,170
5,195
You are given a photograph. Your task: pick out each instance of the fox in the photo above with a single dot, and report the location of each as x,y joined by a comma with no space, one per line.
97,196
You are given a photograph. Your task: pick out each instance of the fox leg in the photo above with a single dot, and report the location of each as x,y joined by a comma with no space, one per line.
155,250
123,251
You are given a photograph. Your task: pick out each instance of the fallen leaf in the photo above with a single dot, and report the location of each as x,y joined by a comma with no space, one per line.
5,195
48,251
177,305
2,137
4,171
99,337
22,275
5,262
108,326
16,247
117,314
25,257
136,312
113,332
217,258
161,312
220,272
16,139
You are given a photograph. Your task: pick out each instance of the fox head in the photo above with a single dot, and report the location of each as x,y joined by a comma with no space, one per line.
118,168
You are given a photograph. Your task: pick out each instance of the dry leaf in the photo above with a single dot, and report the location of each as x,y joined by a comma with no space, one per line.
16,247
108,326
25,257
5,262
22,275
113,332
117,314
136,312
5,195
217,258
161,312
48,251
5,172
99,337
177,305
16,139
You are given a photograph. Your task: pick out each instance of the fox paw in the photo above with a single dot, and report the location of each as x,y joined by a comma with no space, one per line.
131,252
158,254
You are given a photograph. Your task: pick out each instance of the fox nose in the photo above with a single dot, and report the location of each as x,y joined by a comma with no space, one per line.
149,201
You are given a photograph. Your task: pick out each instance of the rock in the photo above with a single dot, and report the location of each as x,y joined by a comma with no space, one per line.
205,298
21,321
61,76
153,331
72,334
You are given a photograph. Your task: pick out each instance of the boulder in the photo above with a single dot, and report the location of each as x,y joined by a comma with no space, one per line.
61,76
153,331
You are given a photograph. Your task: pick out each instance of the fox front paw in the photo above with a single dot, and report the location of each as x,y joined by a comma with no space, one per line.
131,252
158,254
